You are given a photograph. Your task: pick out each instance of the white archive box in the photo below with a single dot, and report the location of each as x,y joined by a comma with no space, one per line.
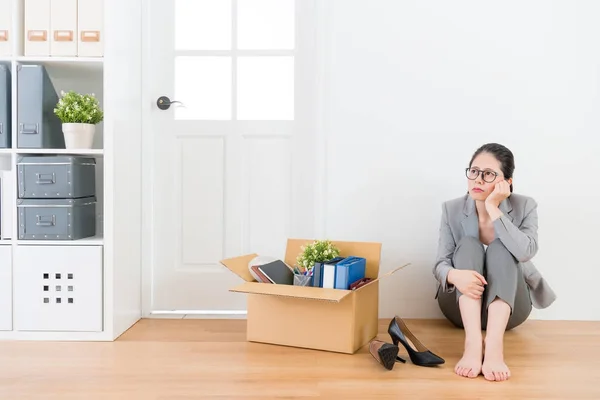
37,27
63,23
5,27
91,28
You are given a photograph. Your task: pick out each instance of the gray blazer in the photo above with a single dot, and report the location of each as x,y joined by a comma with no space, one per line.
517,229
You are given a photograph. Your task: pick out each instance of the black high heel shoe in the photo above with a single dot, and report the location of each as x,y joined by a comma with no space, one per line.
384,353
421,356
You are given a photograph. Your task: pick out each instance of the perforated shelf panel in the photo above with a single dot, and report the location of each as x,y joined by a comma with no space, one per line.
58,288
55,293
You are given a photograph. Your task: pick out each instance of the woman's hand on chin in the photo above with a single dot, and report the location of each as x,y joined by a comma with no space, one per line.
492,203
501,191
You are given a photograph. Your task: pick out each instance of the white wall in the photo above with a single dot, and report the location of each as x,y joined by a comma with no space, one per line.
412,88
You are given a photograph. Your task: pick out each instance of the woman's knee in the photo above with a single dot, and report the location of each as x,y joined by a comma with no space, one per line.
469,254
497,255
497,249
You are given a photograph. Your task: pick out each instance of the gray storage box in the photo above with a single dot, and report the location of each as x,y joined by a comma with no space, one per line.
38,126
5,107
56,177
57,219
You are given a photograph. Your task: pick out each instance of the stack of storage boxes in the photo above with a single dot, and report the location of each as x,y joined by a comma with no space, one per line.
57,198
63,28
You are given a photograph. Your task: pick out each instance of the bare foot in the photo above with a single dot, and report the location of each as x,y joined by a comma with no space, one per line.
469,365
494,368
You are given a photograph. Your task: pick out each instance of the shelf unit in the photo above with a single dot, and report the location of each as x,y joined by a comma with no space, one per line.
87,289
80,152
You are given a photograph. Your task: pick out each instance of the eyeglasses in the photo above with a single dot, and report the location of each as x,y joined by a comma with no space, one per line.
488,176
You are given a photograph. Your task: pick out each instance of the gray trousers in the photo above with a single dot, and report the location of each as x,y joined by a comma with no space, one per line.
504,277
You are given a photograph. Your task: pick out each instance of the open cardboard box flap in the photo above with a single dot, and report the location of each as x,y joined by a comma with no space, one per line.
239,266
370,251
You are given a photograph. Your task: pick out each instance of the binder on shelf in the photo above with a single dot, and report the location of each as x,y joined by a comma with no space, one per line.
90,22
5,108
38,126
37,27
63,23
5,28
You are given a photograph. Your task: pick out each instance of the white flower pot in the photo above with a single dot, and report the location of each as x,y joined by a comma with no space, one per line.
78,136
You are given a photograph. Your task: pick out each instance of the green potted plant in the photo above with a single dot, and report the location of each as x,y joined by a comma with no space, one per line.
79,114
317,252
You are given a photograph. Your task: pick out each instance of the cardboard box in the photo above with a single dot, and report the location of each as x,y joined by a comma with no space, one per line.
312,317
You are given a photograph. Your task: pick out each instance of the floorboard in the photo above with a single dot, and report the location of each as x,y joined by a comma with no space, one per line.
210,359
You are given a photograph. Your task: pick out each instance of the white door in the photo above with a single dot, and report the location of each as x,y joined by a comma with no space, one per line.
231,168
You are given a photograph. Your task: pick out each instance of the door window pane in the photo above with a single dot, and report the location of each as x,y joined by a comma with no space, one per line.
265,88
203,85
202,24
265,24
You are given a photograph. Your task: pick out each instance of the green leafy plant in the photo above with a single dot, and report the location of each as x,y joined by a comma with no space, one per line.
318,251
75,107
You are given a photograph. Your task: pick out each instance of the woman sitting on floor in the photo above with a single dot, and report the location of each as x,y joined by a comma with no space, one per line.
483,268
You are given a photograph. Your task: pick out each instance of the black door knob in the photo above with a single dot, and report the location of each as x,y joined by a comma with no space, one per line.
163,102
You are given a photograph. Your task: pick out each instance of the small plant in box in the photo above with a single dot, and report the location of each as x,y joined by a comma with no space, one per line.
317,252
79,114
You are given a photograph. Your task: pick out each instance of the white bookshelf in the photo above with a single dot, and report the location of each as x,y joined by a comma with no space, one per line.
66,61
106,266
91,241
80,152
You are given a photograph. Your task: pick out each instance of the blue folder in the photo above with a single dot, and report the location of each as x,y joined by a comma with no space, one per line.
348,271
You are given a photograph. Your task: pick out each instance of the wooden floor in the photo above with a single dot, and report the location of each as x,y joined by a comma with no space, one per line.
199,359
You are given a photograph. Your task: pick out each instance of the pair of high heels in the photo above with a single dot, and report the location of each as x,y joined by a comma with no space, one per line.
387,354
